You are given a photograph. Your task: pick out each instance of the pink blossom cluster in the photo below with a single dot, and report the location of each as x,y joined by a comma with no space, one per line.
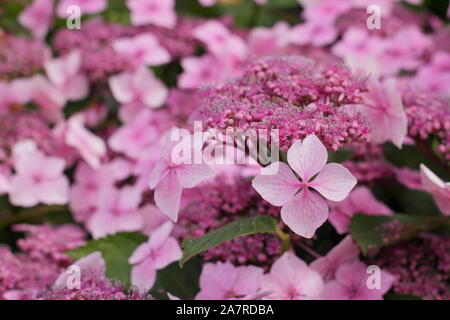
41,260
427,257
296,96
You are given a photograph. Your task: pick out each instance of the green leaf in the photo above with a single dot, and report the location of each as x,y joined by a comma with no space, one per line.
410,156
180,282
340,156
401,199
245,226
115,249
379,231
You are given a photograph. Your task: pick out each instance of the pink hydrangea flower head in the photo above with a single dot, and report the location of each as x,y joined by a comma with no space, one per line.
304,208
21,57
170,175
157,12
223,281
439,189
360,200
344,251
37,17
86,6
351,283
291,279
384,108
297,96
158,252
142,49
38,178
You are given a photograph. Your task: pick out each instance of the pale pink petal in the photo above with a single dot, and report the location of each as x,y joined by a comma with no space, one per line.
37,17
279,188
168,195
216,280
307,158
333,290
54,192
192,174
248,280
143,275
142,251
344,251
101,224
366,293
153,218
439,190
90,146
159,172
334,182
121,87
291,278
339,220
430,181
129,222
23,192
352,274
169,252
160,235
306,212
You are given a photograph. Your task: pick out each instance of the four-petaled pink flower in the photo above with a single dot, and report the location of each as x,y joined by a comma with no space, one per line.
142,49
138,90
91,147
360,200
223,281
64,74
220,41
352,283
343,252
170,175
291,279
117,211
157,12
86,7
384,109
38,178
439,189
135,137
37,17
304,208
157,253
